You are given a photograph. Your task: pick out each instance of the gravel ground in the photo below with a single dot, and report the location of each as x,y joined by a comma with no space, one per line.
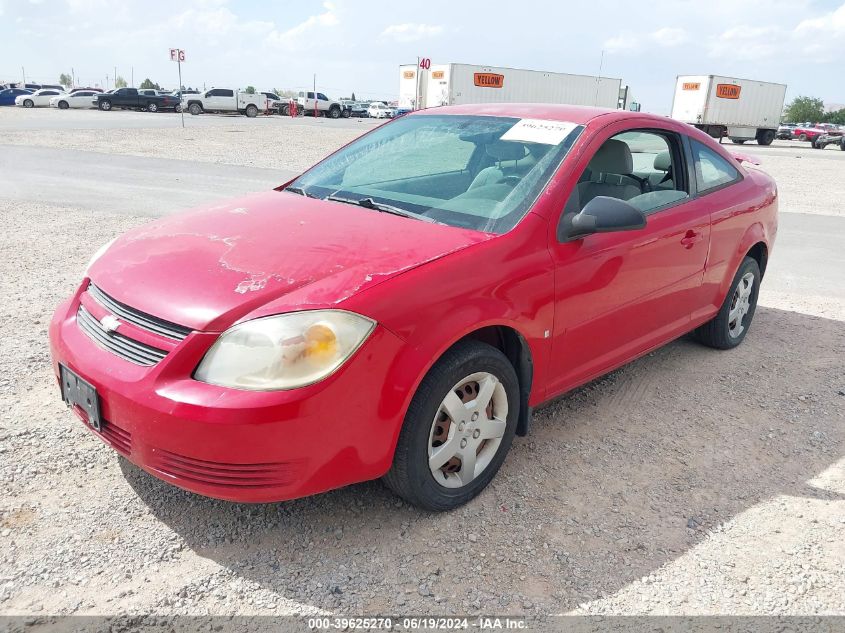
689,482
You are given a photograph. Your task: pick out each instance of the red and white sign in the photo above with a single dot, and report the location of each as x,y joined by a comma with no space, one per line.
177,55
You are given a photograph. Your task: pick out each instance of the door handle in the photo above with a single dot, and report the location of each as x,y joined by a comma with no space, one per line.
691,237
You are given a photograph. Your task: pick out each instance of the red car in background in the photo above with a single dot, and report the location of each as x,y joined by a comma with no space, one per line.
399,309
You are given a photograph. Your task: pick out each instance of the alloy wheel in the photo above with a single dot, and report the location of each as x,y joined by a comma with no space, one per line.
740,304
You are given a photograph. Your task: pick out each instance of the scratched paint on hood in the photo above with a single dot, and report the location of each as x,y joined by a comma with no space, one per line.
212,266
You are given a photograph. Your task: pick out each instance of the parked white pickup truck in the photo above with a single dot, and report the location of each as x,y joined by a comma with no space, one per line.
325,106
225,100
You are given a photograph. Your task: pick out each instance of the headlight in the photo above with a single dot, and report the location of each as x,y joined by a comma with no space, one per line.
98,255
285,351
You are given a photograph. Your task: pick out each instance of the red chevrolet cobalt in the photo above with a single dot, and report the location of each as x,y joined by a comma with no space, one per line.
399,309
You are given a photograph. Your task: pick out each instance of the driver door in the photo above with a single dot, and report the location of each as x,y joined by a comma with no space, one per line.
619,294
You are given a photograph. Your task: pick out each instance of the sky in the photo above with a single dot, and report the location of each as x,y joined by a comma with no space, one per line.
358,46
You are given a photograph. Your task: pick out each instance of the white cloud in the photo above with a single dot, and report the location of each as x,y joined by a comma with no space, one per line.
669,36
410,32
292,37
633,42
747,43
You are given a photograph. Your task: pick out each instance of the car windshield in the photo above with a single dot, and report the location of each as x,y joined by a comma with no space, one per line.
476,172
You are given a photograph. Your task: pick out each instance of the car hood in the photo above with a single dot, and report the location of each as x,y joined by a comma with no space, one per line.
268,253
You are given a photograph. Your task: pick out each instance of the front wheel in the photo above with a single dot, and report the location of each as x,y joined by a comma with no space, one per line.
195,109
802,137
458,428
730,325
28,103
105,105
177,109
63,105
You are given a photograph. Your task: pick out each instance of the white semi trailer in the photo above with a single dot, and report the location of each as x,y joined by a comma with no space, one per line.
741,109
455,84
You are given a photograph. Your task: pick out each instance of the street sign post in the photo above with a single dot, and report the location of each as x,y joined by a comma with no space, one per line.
178,55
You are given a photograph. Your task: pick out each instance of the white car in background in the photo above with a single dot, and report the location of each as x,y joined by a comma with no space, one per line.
378,110
38,99
80,99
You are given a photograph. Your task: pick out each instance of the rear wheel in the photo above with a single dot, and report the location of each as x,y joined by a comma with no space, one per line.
63,105
729,327
765,137
802,137
251,111
458,428
152,107
345,113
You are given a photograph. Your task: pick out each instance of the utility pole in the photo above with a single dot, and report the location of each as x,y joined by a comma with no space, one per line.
598,80
23,72
315,95
107,82
115,76
72,78
417,85
181,107
132,71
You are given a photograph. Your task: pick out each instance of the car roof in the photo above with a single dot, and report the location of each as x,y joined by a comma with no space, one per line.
549,111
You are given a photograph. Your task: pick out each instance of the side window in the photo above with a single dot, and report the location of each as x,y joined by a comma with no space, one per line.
322,97
711,170
643,167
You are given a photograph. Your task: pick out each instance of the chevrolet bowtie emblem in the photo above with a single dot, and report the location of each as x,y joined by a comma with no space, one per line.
109,323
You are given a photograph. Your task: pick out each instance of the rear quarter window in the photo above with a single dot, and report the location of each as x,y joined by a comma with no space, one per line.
712,171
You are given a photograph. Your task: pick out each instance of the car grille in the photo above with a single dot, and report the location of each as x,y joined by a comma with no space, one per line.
266,475
138,318
125,347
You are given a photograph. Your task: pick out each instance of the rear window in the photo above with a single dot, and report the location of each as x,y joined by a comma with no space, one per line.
712,171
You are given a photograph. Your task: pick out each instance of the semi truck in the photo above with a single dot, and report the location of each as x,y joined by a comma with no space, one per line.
740,109
455,84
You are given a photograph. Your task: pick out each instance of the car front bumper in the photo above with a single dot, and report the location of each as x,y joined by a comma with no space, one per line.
234,444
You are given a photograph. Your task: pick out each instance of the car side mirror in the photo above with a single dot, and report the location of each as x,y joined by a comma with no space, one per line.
606,215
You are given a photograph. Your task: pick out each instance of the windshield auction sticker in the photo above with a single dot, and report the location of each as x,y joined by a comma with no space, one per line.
539,131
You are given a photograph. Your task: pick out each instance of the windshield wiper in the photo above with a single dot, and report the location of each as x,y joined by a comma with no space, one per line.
300,191
369,203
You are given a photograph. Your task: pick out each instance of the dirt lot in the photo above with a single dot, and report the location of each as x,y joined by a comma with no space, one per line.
689,482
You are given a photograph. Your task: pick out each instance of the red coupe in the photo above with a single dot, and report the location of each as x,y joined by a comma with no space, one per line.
399,309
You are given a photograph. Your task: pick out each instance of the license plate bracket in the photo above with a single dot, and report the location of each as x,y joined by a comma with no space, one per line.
78,391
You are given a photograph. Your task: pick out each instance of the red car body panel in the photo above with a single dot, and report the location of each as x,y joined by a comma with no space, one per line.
582,307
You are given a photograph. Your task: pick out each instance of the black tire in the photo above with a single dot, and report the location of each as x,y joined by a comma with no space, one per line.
802,137
28,103
195,109
63,105
105,106
738,141
716,332
817,144
334,112
178,108
410,476
345,113
766,137
152,107
842,144
251,111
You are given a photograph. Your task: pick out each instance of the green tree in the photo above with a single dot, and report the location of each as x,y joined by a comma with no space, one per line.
148,84
805,109
837,117
250,90
119,82
353,97
65,80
